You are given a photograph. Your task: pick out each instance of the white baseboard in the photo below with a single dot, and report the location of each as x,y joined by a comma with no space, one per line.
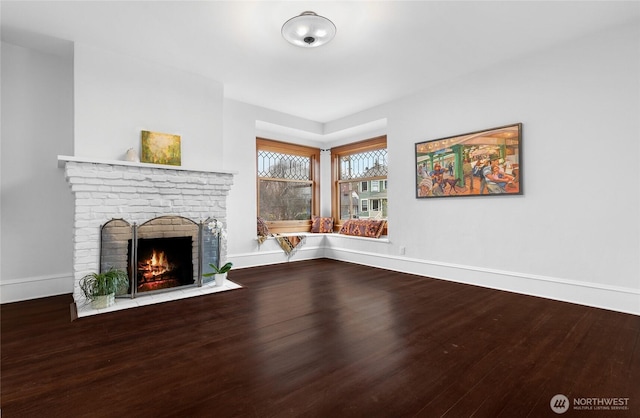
27,288
267,257
613,298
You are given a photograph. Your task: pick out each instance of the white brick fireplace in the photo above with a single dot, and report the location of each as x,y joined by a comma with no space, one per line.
135,192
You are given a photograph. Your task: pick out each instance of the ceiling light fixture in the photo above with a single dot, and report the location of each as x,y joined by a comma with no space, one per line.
308,30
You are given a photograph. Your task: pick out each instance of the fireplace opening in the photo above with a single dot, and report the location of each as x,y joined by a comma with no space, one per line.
163,263
162,254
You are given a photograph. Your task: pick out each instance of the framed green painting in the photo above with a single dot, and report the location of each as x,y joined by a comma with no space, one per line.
160,148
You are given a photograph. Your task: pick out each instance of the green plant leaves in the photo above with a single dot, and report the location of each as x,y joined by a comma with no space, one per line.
102,284
219,270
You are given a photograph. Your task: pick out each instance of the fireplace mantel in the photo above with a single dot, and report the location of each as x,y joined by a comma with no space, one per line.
63,159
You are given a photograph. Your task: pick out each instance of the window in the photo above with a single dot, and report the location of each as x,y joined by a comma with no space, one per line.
359,177
288,190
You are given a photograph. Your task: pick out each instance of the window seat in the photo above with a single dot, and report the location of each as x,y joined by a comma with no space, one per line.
329,235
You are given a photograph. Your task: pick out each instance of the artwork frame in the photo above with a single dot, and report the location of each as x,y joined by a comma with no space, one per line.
160,148
481,163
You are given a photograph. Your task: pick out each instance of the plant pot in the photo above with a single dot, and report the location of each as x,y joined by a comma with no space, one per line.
220,278
101,302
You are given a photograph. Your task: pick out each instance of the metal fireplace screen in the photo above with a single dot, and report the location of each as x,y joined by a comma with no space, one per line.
164,253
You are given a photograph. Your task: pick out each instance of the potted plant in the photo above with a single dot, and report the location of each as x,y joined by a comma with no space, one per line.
219,273
101,288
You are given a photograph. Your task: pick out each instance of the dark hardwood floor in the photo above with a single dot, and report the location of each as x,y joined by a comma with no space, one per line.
320,338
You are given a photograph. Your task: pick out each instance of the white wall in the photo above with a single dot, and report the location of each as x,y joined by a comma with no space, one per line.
573,235
117,97
579,105
36,203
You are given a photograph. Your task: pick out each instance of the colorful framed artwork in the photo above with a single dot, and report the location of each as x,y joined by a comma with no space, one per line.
482,163
159,148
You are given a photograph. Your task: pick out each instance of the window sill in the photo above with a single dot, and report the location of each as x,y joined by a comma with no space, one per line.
383,238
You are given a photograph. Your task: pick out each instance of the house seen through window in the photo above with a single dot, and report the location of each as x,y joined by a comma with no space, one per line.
360,180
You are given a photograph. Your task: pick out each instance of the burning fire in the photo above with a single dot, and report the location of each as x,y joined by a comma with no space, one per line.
158,259
154,266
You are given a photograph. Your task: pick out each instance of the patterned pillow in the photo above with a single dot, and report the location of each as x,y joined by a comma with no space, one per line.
263,229
321,225
371,228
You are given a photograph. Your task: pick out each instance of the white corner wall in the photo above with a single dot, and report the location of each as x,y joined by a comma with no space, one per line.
117,97
240,155
36,204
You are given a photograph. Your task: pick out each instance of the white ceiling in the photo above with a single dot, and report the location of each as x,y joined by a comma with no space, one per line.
383,50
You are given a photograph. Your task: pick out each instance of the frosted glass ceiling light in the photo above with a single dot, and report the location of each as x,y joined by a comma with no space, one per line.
308,30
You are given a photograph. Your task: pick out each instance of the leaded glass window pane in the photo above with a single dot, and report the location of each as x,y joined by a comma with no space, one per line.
364,164
283,166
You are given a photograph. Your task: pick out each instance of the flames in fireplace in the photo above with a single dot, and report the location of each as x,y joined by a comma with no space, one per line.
157,265
164,263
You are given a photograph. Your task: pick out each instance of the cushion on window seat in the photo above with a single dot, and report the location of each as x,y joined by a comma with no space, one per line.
370,228
321,225
263,230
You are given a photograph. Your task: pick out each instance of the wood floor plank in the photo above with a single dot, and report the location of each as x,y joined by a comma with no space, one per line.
327,338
